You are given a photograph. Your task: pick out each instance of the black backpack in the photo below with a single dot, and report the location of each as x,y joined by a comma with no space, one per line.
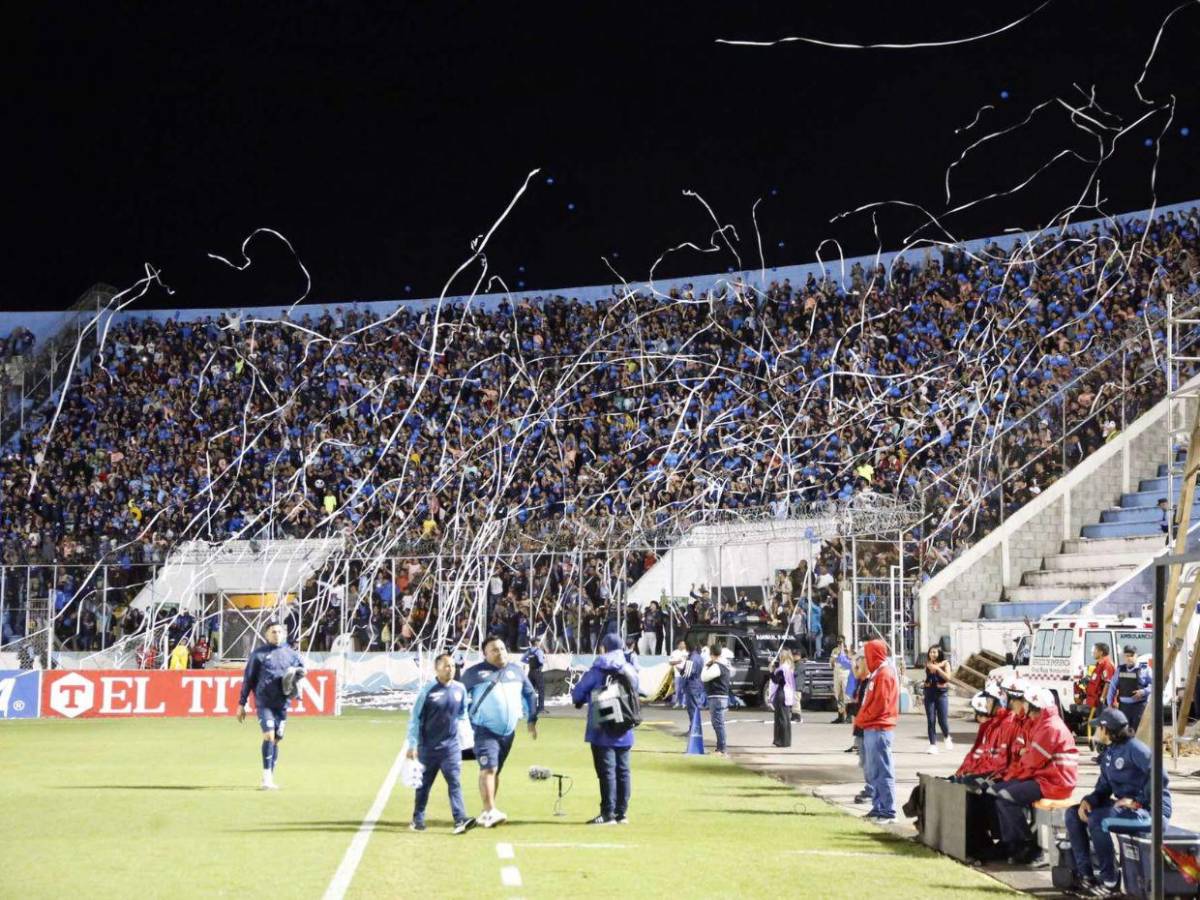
615,705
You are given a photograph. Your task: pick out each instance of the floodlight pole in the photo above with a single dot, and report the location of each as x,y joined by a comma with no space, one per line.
1156,747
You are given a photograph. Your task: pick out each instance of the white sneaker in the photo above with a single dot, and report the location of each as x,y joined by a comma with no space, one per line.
268,782
484,819
949,743
497,817
932,749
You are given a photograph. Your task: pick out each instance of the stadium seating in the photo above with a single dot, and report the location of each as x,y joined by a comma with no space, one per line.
546,416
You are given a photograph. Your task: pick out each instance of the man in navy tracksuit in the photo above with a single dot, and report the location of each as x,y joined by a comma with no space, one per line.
433,739
693,688
498,691
1122,792
267,669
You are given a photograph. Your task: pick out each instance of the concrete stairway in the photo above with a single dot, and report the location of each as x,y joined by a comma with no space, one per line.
1105,553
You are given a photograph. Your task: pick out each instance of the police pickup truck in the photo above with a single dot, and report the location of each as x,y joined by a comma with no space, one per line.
755,646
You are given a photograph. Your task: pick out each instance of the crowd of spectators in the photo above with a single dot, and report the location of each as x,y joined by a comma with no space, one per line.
435,430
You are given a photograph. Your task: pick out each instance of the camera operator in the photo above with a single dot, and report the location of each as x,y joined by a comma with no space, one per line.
610,743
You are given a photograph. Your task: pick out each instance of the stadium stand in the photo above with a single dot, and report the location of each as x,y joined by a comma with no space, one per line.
427,426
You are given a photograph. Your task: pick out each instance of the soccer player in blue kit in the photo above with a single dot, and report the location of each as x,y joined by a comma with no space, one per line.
271,672
433,739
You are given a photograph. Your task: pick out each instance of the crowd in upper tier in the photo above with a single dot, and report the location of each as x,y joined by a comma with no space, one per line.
453,425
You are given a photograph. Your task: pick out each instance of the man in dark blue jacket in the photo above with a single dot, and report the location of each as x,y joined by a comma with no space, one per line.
1122,792
433,739
272,669
610,751
535,659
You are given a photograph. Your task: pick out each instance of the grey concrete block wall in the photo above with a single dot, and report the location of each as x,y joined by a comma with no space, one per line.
1042,535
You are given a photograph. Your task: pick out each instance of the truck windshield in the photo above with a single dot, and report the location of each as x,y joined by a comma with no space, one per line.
1043,642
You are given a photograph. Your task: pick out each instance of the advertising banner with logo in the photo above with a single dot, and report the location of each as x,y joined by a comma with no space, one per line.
20,691
187,692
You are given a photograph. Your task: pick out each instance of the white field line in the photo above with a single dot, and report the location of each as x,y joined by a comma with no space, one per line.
504,851
345,872
510,876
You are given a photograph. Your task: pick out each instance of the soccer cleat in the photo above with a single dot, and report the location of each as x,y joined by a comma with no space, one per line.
602,820
416,826
464,826
622,820
268,782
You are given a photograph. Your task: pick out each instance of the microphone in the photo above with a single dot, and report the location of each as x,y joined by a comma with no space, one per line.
539,773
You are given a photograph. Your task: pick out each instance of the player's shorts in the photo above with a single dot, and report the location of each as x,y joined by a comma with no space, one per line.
491,750
272,720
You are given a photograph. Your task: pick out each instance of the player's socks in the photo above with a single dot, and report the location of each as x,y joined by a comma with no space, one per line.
274,755
268,755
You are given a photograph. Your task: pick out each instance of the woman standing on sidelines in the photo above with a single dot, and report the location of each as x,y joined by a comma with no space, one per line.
781,695
937,697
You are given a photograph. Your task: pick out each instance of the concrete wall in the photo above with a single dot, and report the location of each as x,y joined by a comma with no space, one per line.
1037,530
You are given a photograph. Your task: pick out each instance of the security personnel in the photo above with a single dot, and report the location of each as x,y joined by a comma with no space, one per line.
433,740
1130,689
1122,792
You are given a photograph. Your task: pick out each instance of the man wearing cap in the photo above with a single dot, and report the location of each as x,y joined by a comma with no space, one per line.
1130,689
1122,792
1047,768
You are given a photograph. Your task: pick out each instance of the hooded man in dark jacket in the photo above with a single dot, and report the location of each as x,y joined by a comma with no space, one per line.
610,751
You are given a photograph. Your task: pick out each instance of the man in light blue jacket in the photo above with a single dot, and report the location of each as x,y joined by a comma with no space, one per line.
498,692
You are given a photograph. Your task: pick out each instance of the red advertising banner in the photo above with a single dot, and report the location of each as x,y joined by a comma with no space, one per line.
121,693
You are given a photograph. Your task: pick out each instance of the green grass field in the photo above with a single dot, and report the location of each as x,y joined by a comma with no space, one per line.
169,807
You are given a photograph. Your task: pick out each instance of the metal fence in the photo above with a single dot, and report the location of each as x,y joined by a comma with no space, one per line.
569,598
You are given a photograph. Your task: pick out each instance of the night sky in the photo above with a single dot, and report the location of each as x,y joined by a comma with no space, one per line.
382,140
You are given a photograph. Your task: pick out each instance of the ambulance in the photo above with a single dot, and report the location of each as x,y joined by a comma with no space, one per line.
1061,658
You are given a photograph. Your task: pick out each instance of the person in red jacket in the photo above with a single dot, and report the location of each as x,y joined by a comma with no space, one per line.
877,718
1047,768
1097,686
991,742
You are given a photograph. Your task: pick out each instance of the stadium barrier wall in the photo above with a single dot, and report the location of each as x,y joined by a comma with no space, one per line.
124,693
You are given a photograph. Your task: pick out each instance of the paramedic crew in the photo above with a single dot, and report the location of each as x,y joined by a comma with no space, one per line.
1130,688
266,670
497,690
433,739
